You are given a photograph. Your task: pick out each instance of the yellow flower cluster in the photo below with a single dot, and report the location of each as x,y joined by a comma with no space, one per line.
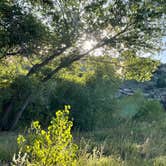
53,146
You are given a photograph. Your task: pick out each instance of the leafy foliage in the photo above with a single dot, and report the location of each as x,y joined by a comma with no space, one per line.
40,38
150,110
85,86
137,68
90,91
129,106
161,81
52,147
18,28
139,108
117,25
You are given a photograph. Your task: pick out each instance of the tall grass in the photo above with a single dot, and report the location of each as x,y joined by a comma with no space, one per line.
8,146
131,143
138,141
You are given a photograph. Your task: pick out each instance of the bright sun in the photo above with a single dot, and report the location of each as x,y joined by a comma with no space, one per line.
88,45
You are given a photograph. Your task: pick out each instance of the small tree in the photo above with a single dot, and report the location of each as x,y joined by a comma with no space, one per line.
51,147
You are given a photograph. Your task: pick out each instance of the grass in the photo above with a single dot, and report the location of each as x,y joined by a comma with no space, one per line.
130,143
8,146
104,161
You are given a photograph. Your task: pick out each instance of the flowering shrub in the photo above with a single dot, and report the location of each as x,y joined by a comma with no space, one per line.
51,147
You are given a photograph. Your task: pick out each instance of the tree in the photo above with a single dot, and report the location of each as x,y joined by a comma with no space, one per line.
131,25
50,33
90,88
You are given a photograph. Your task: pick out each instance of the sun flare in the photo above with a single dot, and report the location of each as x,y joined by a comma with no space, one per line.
90,44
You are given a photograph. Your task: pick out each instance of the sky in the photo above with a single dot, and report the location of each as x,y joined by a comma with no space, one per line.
88,44
162,55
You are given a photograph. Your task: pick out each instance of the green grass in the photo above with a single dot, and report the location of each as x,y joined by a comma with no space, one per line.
130,143
8,145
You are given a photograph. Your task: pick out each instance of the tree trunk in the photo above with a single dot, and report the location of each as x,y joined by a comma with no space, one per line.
4,124
19,114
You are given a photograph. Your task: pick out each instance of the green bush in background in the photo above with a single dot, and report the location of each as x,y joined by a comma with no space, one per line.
137,107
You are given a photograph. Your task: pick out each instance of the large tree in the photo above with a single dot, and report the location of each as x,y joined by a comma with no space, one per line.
51,35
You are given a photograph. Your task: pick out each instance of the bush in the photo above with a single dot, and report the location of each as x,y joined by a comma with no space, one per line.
137,107
150,110
90,89
161,81
130,105
51,147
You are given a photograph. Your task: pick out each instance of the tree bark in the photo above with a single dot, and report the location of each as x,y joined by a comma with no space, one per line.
19,114
37,67
4,125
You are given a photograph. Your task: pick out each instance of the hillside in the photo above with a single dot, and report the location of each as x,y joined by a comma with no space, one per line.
155,88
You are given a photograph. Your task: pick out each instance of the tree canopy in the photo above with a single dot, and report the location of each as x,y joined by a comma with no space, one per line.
39,38
51,33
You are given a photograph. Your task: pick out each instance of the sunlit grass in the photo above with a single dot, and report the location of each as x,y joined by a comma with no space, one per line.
128,144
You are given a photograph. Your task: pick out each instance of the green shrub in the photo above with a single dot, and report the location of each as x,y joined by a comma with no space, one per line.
90,89
137,107
161,81
129,105
150,110
51,147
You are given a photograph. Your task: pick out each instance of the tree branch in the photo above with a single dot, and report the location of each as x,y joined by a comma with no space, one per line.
72,59
56,53
8,54
76,57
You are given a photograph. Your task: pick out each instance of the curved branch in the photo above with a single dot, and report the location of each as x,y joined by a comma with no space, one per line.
36,67
75,57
